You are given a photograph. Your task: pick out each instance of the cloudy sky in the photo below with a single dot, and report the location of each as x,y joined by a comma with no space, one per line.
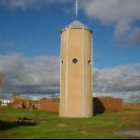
30,45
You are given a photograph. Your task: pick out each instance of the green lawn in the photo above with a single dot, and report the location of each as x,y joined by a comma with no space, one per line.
101,126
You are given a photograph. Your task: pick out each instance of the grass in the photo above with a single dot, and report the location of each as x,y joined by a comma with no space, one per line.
51,126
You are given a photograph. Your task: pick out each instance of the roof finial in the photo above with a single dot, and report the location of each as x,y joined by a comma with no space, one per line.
76,9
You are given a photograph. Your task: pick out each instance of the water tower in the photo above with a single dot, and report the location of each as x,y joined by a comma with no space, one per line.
76,71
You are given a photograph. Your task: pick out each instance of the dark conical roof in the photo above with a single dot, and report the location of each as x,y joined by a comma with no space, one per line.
76,24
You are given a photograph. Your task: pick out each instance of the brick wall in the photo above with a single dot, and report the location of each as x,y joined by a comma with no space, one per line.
132,106
17,103
51,105
107,104
100,104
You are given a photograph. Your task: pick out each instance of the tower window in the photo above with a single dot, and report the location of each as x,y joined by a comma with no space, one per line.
74,60
89,62
62,62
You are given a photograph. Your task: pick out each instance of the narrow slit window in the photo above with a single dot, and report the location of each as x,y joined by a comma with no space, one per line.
62,62
89,62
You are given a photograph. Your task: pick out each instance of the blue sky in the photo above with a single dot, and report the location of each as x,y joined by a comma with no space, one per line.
35,32
31,30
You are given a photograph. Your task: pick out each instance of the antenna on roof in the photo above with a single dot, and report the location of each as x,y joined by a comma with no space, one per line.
76,8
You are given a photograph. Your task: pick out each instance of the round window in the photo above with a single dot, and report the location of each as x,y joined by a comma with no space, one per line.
74,60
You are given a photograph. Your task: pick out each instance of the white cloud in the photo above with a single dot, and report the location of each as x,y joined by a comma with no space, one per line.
122,13
119,79
109,11
126,34
134,37
122,30
39,76
24,4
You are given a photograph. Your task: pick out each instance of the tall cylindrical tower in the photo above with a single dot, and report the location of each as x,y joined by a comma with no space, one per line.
76,71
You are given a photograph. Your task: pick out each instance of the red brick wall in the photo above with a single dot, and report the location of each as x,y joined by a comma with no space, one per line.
100,104
107,104
51,105
132,106
24,104
16,104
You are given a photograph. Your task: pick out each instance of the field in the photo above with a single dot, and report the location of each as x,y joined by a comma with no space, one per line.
103,126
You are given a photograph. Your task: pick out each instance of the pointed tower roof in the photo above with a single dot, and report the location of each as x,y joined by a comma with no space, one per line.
76,24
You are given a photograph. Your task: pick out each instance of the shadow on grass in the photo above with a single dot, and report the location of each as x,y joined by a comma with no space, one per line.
11,125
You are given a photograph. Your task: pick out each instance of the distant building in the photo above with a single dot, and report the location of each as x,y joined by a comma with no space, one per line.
4,103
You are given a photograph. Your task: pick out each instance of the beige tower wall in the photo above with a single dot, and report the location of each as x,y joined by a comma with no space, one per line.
75,79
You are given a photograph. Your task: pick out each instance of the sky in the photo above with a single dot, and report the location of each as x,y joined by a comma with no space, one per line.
30,45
